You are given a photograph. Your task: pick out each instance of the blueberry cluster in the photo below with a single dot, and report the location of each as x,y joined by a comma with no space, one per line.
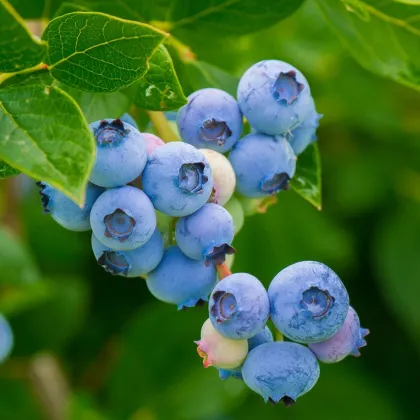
307,303
168,213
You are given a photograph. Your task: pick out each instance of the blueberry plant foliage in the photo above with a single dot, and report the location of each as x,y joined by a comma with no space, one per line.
97,59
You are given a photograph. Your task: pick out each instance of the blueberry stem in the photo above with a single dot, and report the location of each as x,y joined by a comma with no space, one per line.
161,124
223,271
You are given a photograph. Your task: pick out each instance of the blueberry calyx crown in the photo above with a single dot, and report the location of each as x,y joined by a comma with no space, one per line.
276,183
286,88
114,262
45,199
224,306
112,133
216,131
218,255
316,301
191,178
119,225
287,401
361,342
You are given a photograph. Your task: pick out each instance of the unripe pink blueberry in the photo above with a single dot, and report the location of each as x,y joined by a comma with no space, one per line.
224,180
152,142
348,340
219,351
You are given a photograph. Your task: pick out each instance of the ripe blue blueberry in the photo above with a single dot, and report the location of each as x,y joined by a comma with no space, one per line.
128,119
64,211
264,336
280,371
6,339
133,263
305,133
181,280
348,340
263,164
177,179
274,96
308,301
210,120
123,218
239,306
206,234
120,153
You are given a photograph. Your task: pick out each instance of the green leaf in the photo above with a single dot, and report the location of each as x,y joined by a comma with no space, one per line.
228,17
18,49
159,89
116,8
43,134
16,264
307,179
97,106
384,37
97,52
6,170
199,75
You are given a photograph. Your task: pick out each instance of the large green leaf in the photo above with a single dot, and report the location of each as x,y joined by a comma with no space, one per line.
43,134
307,179
97,52
16,264
199,75
384,37
97,106
6,170
18,49
159,89
228,17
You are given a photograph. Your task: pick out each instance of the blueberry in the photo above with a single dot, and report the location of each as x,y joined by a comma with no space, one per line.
234,207
224,180
220,351
305,133
177,179
210,120
347,340
64,211
263,164
239,306
128,119
274,97
181,280
133,263
206,234
280,371
308,301
264,336
6,339
123,218
120,153
152,142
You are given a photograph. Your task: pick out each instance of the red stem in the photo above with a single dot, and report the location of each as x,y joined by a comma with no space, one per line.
223,271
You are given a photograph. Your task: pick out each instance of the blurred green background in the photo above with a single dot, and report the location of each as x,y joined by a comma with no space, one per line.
125,355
